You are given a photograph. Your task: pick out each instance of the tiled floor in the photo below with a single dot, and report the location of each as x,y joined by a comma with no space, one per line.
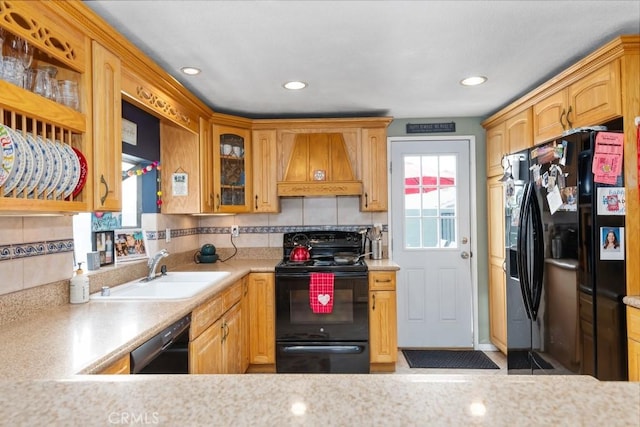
402,367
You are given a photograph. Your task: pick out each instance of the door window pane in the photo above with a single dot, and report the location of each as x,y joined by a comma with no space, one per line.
430,203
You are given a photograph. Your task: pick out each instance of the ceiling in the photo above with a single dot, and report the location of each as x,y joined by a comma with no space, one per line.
367,58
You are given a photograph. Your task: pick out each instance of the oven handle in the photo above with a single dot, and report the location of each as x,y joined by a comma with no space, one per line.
337,274
340,349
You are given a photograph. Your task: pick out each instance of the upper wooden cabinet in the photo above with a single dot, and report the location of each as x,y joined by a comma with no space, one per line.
59,44
591,100
180,178
374,170
507,137
231,169
107,129
265,192
496,149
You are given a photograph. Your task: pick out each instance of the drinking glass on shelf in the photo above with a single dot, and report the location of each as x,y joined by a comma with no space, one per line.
45,83
68,93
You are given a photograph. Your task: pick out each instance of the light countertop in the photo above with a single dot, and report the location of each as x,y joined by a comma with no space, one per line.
321,400
43,355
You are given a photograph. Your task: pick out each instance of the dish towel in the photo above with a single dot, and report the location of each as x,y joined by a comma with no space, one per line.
321,293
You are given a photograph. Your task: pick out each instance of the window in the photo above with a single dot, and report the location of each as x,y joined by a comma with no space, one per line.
430,208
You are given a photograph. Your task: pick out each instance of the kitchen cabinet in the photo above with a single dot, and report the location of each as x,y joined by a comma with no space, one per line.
594,99
215,345
265,191
633,341
383,330
244,309
496,149
180,176
56,43
506,137
497,274
206,167
262,334
107,130
374,170
232,169
122,366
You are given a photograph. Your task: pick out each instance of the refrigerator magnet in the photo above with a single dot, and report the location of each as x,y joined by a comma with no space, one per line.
612,243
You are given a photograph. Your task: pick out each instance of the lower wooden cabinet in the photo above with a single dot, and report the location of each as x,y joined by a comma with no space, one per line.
262,333
121,366
383,330
218,348
633,342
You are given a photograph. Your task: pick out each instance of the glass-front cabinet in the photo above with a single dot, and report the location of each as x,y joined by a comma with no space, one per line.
231,169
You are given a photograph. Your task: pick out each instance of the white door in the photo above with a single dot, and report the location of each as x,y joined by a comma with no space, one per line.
431,242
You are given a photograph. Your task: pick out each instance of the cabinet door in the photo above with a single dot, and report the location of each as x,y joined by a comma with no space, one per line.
595,99
205,352
383,336
232,341
244,308
550,117
374,170
265,188
497,278
107,129
519,131
179,153
634,360
121,366
206,167
496,149
262,319
232,169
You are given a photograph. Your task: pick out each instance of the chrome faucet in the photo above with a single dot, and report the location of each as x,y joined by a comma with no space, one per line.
153,263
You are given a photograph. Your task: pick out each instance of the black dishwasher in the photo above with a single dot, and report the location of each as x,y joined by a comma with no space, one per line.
165,353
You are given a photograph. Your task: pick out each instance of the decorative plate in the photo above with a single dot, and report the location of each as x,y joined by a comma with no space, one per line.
75,170
84,169
8,155
38,164
47,174
65,170
56,175
19,164
29,164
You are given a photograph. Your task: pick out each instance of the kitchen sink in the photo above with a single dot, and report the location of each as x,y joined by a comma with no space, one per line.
175,285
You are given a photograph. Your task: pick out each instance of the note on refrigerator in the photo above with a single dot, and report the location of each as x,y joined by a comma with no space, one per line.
554,199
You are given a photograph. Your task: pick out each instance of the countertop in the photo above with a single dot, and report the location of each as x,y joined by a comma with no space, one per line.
321,400
85,338
45,356
632,300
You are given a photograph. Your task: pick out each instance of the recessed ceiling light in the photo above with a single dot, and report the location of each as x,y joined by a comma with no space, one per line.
295,85
473,81
190,71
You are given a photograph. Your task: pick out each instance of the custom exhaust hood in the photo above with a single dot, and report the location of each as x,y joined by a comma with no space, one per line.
319,165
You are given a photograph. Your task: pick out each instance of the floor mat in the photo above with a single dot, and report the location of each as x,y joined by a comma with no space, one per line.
448,359
519,359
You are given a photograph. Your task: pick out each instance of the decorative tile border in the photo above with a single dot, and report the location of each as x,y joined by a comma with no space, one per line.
24,250
261,229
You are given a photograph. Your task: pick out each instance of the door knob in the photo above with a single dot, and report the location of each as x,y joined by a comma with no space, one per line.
465,240
465,255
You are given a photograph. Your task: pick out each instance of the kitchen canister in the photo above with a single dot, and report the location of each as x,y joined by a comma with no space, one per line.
79,287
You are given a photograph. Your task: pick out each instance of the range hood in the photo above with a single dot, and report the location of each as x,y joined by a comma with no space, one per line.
319,165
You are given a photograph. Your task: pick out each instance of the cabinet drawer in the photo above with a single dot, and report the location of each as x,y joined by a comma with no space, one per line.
204,315
231,296
633,323
382,281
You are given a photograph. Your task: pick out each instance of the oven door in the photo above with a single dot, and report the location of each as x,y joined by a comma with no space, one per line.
348,321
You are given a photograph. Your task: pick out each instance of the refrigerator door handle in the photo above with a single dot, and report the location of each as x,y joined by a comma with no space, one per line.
523,243
537,269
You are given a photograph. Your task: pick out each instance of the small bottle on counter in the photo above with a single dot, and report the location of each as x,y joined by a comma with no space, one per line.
79,287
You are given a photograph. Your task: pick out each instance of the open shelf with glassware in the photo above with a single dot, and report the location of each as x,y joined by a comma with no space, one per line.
45,152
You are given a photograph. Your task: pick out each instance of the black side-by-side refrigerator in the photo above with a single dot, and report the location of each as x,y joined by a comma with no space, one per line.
565,262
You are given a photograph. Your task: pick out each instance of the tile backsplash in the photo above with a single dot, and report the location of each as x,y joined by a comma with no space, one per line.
38,251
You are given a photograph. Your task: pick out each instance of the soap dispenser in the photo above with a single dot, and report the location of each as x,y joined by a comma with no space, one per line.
79,288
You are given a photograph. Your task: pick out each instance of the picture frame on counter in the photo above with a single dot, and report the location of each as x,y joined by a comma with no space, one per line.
103,242
130,245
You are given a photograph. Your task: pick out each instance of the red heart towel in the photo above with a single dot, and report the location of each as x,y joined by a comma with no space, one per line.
321,292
